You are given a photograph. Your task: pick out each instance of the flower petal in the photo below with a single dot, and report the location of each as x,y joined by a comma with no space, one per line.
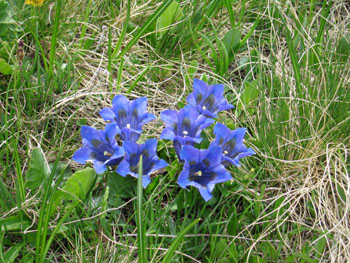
170,117
91,135
151,147
211,157
159,164
147,118
221,133
82,155
190,154
145,180
99,166
222,175
205,193
111,131
123,168
121,101
183,178
107,114
167,134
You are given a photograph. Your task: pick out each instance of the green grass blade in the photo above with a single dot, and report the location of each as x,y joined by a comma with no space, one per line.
133,85
120,74
122,35
250,32
292,54
147,24
54,37
174,245
20,181
141,232
230,12
54,232
84,27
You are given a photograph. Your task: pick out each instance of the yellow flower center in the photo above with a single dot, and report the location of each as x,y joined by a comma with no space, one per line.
128,125
225,152
204,108
199,173
34,2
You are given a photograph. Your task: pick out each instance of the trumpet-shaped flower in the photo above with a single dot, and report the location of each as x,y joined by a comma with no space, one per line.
231,142
150,160
128,116
208,99
202,169
99,147
183,127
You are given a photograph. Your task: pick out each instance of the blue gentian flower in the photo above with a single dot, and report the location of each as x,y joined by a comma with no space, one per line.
183,127
99,147
150,160
208,99
128,116
231,142
202,169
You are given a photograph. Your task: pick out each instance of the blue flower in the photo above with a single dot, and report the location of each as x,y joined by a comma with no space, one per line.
99,147
129,116
202,169
183,127
231,142
150,160
208,100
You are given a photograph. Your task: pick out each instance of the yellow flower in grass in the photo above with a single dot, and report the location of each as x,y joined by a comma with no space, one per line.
34,2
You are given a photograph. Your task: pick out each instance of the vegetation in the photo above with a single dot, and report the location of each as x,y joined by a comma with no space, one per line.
285,66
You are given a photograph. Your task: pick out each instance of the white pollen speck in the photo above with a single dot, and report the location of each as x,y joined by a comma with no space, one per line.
185,132
128,125
199,173
225,152
204,108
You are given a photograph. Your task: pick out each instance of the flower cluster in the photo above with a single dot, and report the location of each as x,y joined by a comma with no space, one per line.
126,120
34,2
207,167
202,168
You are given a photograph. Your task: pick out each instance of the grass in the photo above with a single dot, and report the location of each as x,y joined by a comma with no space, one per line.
285,66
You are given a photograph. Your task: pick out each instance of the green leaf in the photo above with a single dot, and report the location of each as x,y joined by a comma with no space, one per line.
169,16
232,40
38,171
80,184
168,256
76,187
3,11
232,226
28,258
5,68
320,246
14,223
12,253
249,95
115,181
